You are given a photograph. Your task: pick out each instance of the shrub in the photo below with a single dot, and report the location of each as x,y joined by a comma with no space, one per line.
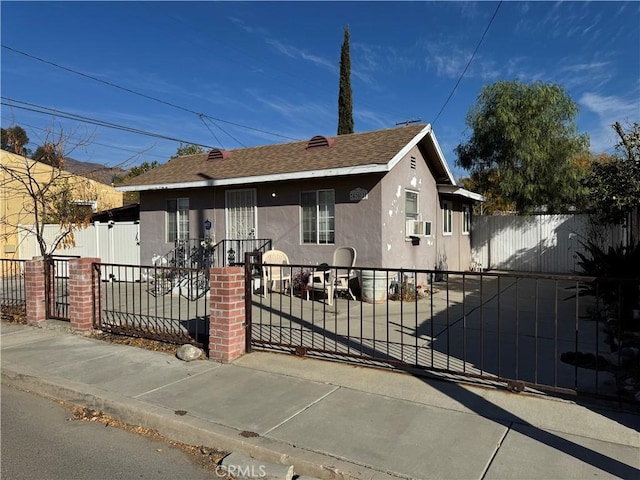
617,281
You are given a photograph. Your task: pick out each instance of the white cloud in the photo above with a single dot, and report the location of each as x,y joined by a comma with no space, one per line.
295,52
608,109
370,118
291,108
247,28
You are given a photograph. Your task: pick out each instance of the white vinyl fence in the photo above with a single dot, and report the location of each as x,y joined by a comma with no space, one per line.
535,243
113,242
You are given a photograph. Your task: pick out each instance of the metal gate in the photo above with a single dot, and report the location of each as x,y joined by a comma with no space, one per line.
57,287
538,331
167,304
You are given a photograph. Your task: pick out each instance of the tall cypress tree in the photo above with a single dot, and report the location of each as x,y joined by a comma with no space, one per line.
345,102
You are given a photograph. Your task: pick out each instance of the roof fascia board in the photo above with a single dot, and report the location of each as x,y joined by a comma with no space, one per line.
443,161
332,172
407,148
462,192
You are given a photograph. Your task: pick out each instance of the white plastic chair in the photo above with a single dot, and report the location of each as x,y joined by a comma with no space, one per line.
271,273
336,278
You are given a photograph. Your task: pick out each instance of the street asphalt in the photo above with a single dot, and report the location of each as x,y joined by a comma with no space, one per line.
328,419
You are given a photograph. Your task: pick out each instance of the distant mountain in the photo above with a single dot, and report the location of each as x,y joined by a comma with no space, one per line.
94,171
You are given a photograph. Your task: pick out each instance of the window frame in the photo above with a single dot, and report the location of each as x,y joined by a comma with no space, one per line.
447,218
411,216
229,198
324,217
178,234
466,219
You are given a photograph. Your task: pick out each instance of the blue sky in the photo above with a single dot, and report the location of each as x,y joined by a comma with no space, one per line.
267,72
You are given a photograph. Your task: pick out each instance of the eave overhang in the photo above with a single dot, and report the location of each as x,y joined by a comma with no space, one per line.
309,174
461,192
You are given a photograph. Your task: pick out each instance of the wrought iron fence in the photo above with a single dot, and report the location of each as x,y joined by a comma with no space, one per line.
13,294
203,253
57,286
168,304
557,333
231,252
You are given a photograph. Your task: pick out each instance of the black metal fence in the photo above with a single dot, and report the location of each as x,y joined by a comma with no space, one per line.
13,294
203,253
548,332
168,304
57,286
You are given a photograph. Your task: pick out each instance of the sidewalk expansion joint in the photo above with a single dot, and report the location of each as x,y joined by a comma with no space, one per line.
301,410
495,450
173,383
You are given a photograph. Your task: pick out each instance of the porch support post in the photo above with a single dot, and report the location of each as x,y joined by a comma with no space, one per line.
227,314
82,286
35,286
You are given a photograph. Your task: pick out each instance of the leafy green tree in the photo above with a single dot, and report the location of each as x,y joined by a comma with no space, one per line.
187,149
345,100
613,184
134,197
523,146
14,139
144,167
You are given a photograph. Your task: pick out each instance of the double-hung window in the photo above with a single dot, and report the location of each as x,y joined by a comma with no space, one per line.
447,218
466,219
414,226
177,217
318,217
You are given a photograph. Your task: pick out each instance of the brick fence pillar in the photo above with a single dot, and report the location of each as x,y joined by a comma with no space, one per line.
227,314
82,286
35,286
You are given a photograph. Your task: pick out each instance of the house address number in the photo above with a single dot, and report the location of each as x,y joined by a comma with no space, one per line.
358,194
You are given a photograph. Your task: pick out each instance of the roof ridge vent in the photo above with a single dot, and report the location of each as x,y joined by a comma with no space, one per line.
218,154
320,141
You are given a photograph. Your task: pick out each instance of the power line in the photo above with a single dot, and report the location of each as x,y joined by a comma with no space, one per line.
22,124
468,63
80,118
149,97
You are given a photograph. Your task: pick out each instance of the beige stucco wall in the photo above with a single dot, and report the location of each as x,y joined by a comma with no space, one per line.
375,226
397,250
357,224
14,201
455,249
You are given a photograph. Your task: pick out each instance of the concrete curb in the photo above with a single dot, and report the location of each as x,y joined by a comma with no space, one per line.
189,429
246,468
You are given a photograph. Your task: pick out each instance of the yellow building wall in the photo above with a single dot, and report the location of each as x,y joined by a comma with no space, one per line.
15,202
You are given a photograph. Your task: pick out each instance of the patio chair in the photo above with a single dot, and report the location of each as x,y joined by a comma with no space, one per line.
334,279
271,273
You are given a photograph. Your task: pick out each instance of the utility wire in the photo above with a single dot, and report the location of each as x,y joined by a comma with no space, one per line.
223,130
93,143
211,131
149,97
468,63
72,116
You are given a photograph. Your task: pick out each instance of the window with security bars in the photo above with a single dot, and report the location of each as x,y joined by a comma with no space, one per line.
241,213
177,219
318,217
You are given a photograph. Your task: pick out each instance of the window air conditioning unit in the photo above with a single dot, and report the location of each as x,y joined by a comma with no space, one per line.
418,228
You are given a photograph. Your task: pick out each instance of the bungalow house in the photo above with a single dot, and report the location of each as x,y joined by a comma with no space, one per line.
388,193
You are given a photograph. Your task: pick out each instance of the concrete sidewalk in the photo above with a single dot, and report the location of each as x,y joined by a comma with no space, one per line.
329,420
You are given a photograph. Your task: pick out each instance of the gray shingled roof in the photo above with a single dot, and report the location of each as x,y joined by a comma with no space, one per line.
357,149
